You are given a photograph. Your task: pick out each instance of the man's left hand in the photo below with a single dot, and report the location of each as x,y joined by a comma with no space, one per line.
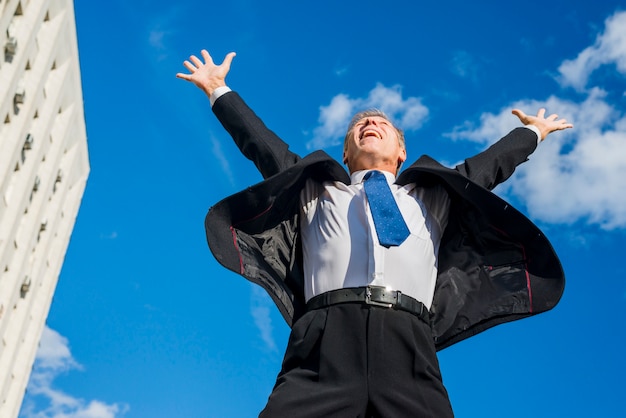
545,124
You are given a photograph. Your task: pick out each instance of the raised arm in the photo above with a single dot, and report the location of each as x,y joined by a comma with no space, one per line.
498,162
259,144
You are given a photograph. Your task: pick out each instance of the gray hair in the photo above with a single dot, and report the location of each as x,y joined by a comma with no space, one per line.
367,114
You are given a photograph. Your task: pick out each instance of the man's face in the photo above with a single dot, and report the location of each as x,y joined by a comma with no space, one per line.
374,143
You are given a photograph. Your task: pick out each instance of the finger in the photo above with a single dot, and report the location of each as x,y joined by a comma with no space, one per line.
183,76
562,124
196,61
521,115
190,66
553,116
207,57
541,113
228,60
229,57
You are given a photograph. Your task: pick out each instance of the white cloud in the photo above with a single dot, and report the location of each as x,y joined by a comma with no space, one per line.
111,236
408,114
578,175
161,29
42,400
592,112
340,71
155,38
54,352
464,65
574,175
609,48
260,310
221,158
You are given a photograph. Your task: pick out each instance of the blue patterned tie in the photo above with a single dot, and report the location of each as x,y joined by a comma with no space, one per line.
390,226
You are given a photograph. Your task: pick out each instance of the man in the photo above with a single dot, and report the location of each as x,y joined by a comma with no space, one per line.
368,311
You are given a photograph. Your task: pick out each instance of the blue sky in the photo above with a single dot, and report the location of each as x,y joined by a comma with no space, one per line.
145,323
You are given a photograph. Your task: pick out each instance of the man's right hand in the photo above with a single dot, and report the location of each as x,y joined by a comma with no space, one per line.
207,76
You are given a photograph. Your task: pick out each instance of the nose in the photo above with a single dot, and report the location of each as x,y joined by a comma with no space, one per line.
369,121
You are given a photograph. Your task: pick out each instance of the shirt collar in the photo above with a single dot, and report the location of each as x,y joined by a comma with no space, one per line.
357,176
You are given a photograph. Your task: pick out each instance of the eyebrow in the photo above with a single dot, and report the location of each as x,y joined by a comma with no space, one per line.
380,118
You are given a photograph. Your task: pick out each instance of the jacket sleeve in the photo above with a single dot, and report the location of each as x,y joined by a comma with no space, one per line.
498,162
259,144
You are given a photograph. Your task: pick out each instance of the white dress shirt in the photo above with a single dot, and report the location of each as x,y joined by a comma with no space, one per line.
341,247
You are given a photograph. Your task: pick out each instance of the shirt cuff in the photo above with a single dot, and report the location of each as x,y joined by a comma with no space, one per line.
217,93
535,130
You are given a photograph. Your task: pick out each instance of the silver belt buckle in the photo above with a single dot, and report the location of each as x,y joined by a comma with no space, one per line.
369,301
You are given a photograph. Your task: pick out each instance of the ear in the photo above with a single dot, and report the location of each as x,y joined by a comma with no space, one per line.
402,156
401,159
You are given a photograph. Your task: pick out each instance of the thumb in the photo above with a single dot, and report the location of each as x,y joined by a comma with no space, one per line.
228,60
521,115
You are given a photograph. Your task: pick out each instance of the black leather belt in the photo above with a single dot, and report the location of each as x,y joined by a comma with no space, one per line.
371,295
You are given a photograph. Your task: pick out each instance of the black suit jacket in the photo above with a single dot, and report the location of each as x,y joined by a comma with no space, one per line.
495,265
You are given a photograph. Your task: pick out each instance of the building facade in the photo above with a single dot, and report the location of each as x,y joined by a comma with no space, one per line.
43,171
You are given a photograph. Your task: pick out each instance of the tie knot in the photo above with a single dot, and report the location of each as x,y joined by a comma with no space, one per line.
373,175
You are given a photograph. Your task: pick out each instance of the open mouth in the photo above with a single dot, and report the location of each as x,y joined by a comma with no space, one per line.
370,132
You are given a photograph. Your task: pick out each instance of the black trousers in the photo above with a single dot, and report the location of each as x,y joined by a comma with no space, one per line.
354,360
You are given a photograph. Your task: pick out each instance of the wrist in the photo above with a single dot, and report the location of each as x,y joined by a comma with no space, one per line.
210,86
536,130
217,93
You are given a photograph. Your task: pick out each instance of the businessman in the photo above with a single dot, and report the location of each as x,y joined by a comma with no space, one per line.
377,269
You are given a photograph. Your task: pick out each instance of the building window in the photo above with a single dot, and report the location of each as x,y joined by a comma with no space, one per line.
10,46
25,287
42,228
20,93
28,145
57,181
34,190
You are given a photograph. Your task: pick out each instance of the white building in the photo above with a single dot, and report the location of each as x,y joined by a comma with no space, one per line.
43,170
